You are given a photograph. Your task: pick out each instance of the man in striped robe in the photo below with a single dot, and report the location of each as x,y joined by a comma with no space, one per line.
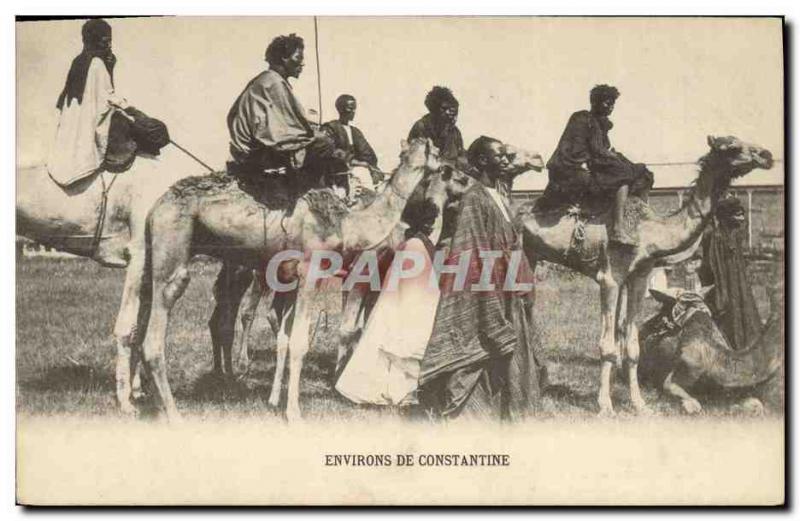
479,360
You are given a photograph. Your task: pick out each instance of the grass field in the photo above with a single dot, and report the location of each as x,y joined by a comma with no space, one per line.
65,350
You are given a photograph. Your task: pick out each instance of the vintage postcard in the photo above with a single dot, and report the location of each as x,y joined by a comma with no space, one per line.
400,261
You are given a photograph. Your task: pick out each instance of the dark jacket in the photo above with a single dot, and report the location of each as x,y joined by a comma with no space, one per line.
447,140
585,142
359,149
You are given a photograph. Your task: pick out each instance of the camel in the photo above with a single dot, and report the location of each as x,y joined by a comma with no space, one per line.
682,347
240,287
359,301
70,220
212,215
621,271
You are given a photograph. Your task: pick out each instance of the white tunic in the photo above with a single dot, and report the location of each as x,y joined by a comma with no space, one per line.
384,368
81,138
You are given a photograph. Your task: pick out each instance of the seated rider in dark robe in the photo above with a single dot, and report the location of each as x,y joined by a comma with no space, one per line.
350,140
439,124
268,125
724,266
584,158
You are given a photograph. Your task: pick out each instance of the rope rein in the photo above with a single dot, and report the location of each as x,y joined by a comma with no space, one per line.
101,217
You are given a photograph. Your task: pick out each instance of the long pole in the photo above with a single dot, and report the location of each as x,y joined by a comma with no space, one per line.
319,76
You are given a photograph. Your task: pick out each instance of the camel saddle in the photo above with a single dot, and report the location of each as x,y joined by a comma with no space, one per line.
131,133
589,203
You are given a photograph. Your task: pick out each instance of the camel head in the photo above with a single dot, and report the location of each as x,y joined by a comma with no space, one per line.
730,158
419,154
521,161
670,296
678,306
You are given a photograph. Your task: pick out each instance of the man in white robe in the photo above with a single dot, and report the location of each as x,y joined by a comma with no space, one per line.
85,107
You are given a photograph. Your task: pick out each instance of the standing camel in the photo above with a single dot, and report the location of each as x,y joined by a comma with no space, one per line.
241,287
621,271
74,220
212,215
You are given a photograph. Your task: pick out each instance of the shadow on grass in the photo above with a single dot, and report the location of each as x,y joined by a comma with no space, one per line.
216,387
82,378
563,394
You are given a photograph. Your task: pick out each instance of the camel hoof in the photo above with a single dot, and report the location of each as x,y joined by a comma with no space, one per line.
128,409
749,407
174,419
606,411
274,399
643,410
293,417
691,406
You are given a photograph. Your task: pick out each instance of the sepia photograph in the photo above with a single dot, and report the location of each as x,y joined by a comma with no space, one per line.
400,260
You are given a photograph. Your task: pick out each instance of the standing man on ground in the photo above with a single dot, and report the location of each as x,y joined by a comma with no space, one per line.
479,359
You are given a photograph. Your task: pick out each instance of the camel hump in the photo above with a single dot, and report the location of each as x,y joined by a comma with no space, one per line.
328,208
200,185
594,210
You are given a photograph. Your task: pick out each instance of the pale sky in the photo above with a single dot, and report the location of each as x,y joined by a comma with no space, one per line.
517,79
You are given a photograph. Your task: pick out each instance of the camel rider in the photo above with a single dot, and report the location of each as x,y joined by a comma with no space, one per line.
584,157
85,106
268,127
439,124
351,141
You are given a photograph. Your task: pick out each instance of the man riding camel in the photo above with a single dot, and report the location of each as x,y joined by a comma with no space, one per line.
85,106
363,175
584,158
439,124
268,126
350,140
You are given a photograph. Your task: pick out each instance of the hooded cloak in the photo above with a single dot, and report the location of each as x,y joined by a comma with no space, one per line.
81,139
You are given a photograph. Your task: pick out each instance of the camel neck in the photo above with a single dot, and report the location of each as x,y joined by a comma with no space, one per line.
682,229
372,225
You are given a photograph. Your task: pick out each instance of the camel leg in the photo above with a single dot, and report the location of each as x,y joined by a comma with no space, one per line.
285,316
164,297
125,328
609,352
169,249
252,298
136,371
298,344
229,289
636,287
689,404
